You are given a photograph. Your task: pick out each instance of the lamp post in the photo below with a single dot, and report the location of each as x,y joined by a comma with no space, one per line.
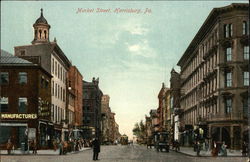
248,101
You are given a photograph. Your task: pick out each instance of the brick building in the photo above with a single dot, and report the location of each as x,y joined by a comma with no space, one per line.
25,102
74,110
167,113
155,121
148,127
92,96
175,109
162,107
215,76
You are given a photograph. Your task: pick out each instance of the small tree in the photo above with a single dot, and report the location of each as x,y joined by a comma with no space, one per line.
139,130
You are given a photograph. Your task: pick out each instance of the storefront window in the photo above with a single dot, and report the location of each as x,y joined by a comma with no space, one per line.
22,138
5,134
22,105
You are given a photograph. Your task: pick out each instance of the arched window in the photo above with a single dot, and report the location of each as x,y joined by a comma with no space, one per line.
40,34
45,34
35,33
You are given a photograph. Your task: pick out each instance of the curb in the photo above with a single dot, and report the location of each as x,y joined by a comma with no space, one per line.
206,155
76,152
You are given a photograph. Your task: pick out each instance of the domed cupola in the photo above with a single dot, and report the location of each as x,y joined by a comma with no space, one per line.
41,19
41,30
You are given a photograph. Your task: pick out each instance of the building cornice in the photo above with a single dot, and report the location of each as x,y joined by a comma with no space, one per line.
207,25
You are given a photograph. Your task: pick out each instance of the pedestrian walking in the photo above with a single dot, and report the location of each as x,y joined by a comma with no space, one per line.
60,145
195,146
206,145
198,149
173,144
55,144
65,147
244,148
9,146
177,146
214,149
223,149
96,148
34,147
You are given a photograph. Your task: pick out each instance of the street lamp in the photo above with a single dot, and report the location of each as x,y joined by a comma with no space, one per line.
248,100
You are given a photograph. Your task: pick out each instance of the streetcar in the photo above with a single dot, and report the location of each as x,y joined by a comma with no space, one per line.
162,141
124,140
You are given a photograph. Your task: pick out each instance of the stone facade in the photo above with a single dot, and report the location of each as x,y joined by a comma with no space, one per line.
106,111
215,77
110,129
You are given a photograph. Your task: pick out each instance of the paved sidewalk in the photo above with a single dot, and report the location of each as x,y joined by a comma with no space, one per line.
40,152
190,151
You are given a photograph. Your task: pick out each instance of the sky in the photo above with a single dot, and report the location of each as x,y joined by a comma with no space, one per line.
132,53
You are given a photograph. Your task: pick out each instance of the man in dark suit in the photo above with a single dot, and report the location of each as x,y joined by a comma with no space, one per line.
96,148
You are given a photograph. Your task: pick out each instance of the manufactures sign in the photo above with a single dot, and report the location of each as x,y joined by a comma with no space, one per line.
18,116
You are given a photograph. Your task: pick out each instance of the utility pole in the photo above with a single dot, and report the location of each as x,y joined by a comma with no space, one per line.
248,100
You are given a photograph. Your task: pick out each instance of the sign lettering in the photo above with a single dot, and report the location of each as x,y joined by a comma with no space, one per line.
18,116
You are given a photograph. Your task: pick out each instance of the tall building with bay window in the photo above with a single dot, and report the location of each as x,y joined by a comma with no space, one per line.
51,58
24,102
215,77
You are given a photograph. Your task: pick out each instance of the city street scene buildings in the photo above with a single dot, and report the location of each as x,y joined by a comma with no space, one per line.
44,97
95,91
208,98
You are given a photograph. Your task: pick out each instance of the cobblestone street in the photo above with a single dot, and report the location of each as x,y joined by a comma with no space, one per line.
134,153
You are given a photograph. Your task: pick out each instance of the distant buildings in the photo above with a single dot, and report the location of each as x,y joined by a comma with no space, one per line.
175,108
162,108
167,119
155,121
110,129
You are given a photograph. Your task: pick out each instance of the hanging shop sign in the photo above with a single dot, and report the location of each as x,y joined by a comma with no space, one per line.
43,108
18,116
